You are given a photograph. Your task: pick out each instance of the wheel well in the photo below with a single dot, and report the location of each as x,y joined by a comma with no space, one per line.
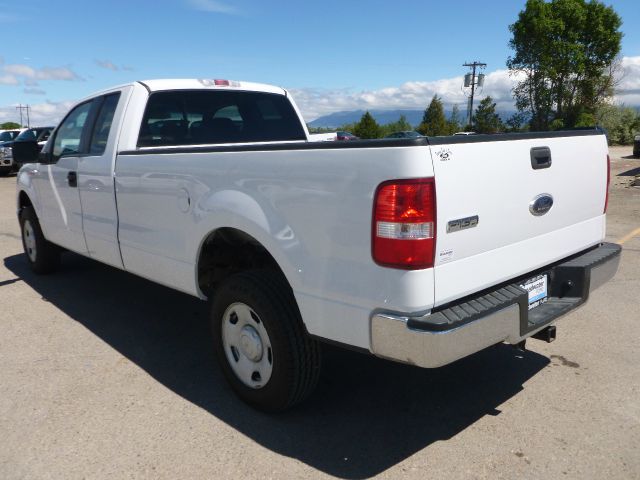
227,251
24,201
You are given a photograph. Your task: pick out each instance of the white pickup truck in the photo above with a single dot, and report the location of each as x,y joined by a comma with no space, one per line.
421,251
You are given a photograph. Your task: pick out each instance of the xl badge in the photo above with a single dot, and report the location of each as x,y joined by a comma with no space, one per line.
541,204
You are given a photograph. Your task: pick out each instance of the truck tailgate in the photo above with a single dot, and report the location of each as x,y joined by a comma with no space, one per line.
490,228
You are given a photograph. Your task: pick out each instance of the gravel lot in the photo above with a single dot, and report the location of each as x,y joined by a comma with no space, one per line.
105,375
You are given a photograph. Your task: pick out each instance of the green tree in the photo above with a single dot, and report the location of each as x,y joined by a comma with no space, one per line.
565,59
400,125
620,122
433,121
9,126
455,122
486,120
367,127
518,122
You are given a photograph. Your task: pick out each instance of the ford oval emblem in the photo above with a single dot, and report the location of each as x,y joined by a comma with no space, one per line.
541,204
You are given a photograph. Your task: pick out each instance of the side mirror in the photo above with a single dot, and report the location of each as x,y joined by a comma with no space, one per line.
25,152
45,156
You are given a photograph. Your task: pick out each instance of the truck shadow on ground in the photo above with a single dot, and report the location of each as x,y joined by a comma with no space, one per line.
630,173
366,416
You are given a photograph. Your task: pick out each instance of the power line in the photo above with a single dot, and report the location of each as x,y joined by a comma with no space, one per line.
472,80
21,107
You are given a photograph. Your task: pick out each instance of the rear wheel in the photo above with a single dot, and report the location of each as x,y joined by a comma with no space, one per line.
42,255
265,354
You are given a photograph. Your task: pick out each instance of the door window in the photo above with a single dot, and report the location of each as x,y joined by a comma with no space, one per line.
69,134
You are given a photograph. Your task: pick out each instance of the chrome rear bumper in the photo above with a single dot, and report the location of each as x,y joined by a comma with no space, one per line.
500,315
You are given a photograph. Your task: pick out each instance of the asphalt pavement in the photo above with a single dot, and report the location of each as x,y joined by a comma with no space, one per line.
106,375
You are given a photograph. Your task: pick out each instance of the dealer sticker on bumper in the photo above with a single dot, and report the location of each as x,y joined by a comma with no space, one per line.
537,288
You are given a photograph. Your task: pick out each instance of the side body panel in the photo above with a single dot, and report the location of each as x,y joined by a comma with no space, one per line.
311,209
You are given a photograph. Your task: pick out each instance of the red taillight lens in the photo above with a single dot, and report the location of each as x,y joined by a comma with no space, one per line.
606,198
221,83
404,224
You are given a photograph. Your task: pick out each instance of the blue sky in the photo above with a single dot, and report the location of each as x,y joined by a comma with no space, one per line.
333,55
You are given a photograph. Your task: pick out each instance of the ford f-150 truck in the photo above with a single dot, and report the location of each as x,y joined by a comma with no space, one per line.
421,251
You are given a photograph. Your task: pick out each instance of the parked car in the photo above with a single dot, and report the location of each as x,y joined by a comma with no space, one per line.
636,146
6,155
420,251
405,134
8,135
28,144
340,135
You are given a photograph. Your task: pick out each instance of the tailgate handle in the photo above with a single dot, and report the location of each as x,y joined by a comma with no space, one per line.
540,157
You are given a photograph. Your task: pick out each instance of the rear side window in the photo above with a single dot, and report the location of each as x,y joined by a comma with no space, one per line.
195,117
103,124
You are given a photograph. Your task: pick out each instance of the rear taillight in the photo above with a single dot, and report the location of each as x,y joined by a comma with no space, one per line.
404,224
606,197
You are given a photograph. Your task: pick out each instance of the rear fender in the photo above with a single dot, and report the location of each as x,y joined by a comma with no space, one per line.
236,209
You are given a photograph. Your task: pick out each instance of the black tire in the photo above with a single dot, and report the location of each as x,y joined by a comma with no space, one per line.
4,171
295,356
45,257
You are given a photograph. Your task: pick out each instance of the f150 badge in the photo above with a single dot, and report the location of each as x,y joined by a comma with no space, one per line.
540,204
462,224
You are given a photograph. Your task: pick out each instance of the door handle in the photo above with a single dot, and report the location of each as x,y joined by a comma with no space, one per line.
540,157
72,178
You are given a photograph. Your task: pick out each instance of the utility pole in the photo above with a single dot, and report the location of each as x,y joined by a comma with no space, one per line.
472,80
27,108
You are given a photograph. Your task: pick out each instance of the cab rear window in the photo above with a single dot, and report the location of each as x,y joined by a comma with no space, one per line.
196,117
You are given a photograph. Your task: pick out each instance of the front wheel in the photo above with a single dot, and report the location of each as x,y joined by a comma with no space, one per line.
42,255
265,354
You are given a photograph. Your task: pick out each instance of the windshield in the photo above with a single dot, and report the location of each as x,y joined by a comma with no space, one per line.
39,134
27,135
7,136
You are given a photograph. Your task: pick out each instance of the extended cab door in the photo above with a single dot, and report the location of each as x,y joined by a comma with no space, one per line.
95,179
57,181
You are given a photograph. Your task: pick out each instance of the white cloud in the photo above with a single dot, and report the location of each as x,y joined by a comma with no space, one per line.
41,114
20,70
34,91
44,73
56,73
316,102
109,65
409,95
628,90
8,80
213,6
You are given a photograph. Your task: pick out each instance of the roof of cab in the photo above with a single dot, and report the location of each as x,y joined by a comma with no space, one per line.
206,83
